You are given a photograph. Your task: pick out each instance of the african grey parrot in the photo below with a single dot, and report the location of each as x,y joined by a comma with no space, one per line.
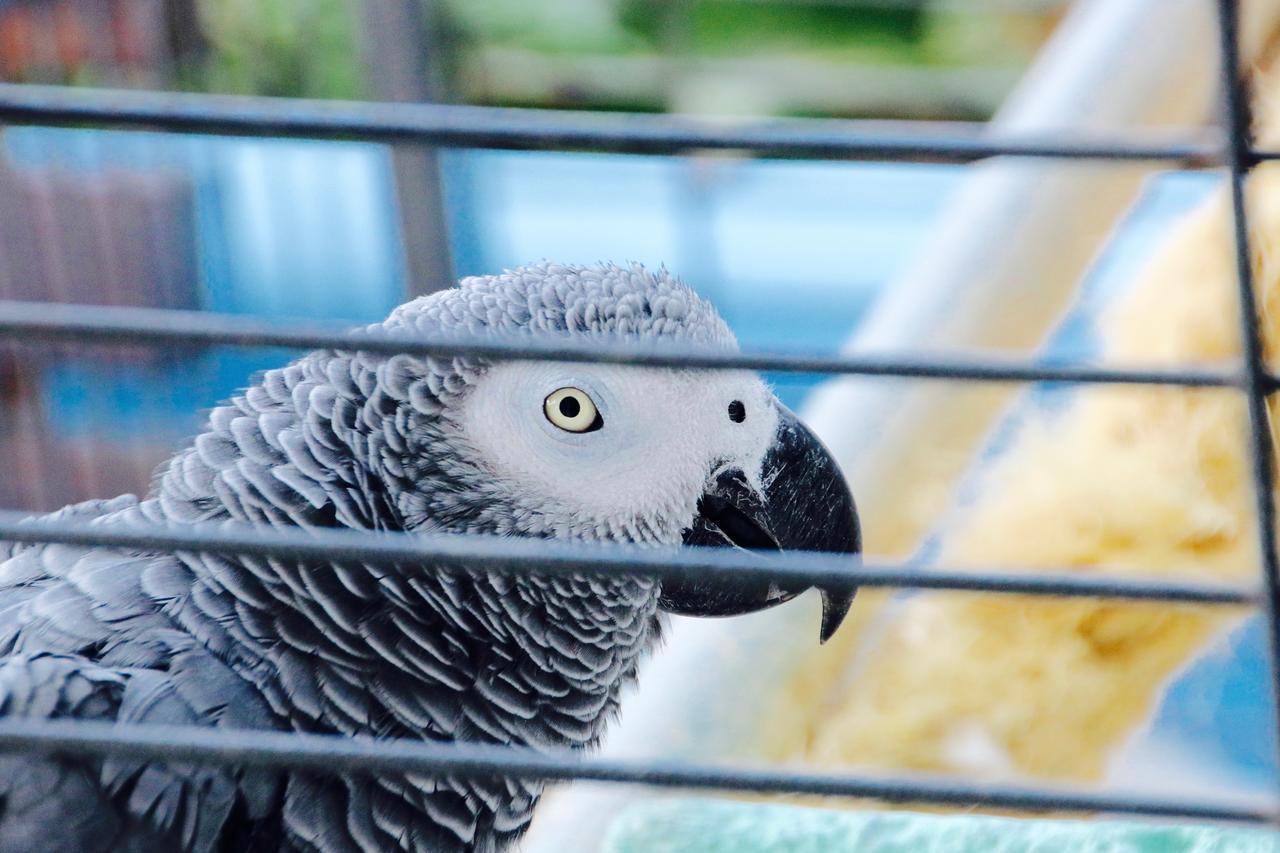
402,443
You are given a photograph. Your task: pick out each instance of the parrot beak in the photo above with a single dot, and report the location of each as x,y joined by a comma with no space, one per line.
805,506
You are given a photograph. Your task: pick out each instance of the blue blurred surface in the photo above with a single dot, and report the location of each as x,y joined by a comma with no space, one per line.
791,252
283,228
1219,714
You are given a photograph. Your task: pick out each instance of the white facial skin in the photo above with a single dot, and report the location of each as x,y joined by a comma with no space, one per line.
665,434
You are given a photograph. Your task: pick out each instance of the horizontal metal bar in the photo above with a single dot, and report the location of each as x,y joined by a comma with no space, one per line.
121,325
411,552
911,575
334,754
497,127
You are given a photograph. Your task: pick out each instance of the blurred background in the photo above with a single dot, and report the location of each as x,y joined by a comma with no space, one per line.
348,230
1080,262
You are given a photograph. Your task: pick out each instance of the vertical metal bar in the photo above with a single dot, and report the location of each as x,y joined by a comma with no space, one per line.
1240,159
186,40
401,54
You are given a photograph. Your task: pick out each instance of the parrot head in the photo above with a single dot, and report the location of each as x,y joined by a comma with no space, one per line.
607,452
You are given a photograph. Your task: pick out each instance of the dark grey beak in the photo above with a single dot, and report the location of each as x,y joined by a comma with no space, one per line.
805,506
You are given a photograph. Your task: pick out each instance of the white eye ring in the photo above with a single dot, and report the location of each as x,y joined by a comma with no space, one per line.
572,410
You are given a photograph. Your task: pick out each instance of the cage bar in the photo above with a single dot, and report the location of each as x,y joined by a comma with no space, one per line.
512,128
406,553
1240,159
529,129
128,325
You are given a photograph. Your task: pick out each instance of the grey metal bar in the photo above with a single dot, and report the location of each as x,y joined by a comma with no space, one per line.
329,753
1239,162
400,54
414,553
496,127
125,325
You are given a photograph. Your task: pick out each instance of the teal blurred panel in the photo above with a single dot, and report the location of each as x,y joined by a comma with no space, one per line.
710,826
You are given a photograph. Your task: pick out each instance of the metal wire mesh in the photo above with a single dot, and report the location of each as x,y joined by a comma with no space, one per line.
505,128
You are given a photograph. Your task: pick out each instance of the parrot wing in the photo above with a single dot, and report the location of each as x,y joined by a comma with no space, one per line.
65,802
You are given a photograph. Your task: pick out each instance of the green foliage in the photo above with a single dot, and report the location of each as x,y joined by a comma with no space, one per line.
304,48
738,28
313,48
548,26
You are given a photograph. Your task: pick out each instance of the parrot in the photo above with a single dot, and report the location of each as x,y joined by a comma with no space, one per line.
413,444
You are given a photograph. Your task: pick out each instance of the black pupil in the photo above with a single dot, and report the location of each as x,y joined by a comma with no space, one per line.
570,407
737,412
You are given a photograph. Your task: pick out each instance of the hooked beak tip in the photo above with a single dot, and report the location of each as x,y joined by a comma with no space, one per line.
805,506
835,607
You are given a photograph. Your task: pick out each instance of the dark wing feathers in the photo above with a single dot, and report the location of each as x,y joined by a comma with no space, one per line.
60,804
83,635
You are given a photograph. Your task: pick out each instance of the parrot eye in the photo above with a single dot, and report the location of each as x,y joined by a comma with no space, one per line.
737,412
572,410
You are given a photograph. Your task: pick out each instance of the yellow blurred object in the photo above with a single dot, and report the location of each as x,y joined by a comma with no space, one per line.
1152,481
